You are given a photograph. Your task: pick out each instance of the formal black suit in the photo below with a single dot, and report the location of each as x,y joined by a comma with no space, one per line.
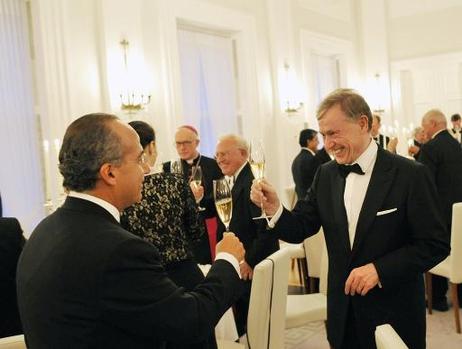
443,156
84,282
402,244
304,167
382,140
250,232
210,171
11,243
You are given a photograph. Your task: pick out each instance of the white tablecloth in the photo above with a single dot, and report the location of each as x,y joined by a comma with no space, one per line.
226,327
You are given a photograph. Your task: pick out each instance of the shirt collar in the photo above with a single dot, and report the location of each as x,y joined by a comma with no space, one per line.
367,158
438,132
312,152
100,202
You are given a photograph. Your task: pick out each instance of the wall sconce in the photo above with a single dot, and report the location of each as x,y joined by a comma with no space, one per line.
131,102
289,92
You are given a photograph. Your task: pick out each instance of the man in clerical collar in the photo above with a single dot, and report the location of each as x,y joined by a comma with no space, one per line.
187,142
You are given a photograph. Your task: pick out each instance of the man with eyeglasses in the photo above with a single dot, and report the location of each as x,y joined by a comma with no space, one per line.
186,143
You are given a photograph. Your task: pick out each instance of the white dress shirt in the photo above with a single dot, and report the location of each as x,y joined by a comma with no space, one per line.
356,186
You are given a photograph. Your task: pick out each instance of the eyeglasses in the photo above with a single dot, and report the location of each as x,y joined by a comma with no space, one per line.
185,143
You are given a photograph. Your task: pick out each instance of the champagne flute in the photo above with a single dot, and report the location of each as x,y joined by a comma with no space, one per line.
257,164
223,201
196,180
176,167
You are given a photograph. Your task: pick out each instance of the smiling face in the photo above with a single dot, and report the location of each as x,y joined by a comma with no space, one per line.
344,137
229,156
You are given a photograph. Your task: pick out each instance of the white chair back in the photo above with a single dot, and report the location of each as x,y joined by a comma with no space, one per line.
290,197
314,246
13,342
387,338
455,258
268,299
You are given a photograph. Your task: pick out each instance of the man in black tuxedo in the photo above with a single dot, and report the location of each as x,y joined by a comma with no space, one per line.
456,130
381,223
85,282
186,142
383,141
11,243
305,163
443,156
232,153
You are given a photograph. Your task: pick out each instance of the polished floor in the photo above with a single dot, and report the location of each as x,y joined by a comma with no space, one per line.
441,332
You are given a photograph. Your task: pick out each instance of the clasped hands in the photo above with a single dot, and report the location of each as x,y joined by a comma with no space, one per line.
361,280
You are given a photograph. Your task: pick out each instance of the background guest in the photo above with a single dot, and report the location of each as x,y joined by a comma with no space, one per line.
232,153
419,139
187,142
443,156
11,243
305,163
456,129
383,141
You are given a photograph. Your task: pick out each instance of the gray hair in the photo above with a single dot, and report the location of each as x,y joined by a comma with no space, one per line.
435,115
240,142
350,102
88,143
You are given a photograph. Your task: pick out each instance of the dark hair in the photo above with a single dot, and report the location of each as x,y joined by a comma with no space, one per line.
89,143
306,135
145,132
455,117
350,102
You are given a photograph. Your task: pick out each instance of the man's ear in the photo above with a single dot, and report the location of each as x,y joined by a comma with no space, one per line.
364,122
107,173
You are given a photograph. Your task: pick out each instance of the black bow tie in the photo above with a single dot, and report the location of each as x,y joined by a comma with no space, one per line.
344,170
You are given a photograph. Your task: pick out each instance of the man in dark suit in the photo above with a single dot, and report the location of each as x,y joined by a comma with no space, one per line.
305,163
232,153
11,243
381,223
456,130
419,139
383,141
186,142
85,282
443,156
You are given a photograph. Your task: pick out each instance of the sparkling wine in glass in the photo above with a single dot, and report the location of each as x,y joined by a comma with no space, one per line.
223,201
176,167
196,180
257,164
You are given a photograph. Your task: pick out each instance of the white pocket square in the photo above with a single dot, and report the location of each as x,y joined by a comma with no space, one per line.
381,213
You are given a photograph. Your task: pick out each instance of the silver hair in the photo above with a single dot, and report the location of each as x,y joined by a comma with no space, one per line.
240,142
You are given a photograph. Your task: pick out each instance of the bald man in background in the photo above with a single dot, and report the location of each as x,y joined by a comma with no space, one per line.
443,156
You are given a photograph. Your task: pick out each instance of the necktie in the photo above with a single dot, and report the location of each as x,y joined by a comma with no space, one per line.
344,170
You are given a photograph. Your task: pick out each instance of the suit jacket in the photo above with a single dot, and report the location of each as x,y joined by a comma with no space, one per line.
11,243
443,156
402,244
84,282
304,167
257,244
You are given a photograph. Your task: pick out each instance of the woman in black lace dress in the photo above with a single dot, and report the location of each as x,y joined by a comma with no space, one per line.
167,217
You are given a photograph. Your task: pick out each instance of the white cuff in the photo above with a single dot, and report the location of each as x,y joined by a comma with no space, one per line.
231,259
275,217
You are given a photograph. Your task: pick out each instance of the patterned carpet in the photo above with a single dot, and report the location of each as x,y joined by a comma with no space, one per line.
441,334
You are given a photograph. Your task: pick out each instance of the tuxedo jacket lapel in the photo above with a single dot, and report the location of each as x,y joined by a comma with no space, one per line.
340,217
379,185
240,180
